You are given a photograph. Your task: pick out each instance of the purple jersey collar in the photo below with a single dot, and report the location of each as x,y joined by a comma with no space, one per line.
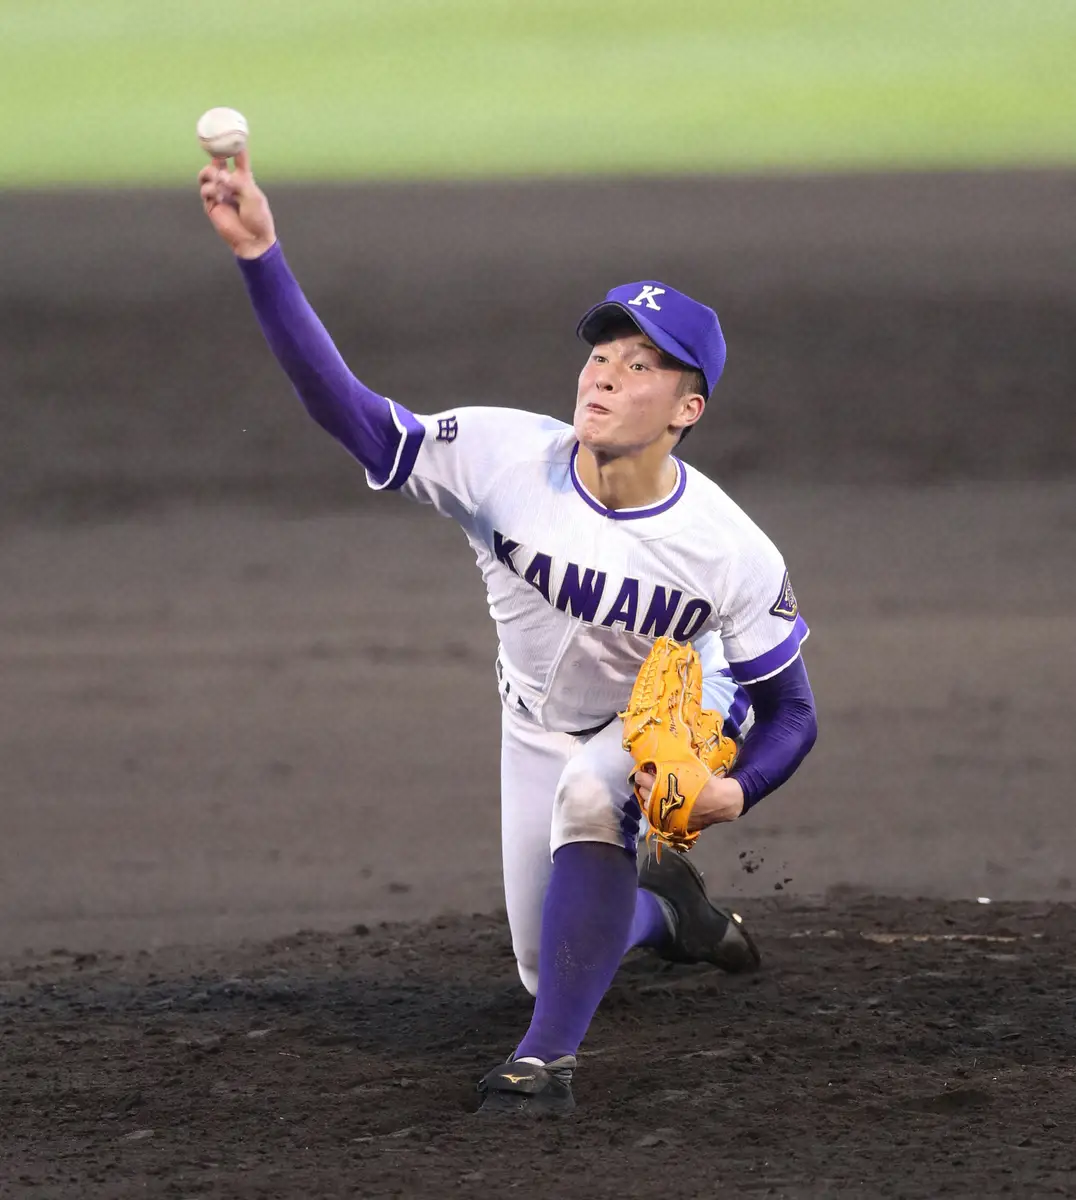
629,514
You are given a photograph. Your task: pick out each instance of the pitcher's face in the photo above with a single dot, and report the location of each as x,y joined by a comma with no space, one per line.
630,395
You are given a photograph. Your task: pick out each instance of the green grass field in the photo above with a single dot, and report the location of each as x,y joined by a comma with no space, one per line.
108,91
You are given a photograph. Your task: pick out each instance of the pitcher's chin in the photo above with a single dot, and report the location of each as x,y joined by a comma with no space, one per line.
592,431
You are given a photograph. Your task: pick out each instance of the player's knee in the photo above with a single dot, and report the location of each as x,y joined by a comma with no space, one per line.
587,810
528,974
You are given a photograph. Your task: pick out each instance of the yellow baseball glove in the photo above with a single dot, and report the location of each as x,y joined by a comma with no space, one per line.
670,734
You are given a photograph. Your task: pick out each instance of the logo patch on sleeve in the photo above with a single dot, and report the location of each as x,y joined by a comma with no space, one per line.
786,605
447,429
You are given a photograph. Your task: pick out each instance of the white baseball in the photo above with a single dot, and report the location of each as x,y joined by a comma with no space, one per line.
222,132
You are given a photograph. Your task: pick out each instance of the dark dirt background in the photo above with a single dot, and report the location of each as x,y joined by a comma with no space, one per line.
209,630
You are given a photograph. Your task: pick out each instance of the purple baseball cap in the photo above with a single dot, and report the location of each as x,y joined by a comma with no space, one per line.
683,328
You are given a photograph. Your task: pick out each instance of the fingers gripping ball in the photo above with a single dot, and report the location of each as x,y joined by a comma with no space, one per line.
668,733
222,132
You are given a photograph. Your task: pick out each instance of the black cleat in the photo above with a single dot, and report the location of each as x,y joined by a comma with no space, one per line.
526,1086
704,932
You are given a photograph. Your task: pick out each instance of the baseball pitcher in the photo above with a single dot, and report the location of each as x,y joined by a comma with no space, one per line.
649,660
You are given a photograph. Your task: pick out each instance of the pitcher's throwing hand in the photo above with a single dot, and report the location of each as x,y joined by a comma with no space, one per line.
237,206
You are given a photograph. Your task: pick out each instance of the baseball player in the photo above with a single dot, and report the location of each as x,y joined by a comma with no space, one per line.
593,540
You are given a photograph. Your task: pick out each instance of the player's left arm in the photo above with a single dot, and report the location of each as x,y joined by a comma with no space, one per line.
762,632
784,730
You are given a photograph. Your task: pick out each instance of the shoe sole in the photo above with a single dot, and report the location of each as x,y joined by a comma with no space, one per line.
498,1104
735,952
511,1093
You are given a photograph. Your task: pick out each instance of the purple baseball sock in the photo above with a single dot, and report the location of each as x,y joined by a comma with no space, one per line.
593,911
650,925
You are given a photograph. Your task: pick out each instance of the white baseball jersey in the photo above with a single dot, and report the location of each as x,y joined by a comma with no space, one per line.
580,592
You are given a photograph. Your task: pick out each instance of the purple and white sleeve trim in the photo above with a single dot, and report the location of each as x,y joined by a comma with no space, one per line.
754,670
411,432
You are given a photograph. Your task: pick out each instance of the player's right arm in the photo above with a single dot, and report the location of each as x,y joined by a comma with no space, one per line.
382,435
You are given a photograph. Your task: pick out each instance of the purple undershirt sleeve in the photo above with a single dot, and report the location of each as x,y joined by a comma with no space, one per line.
784,731
370,427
